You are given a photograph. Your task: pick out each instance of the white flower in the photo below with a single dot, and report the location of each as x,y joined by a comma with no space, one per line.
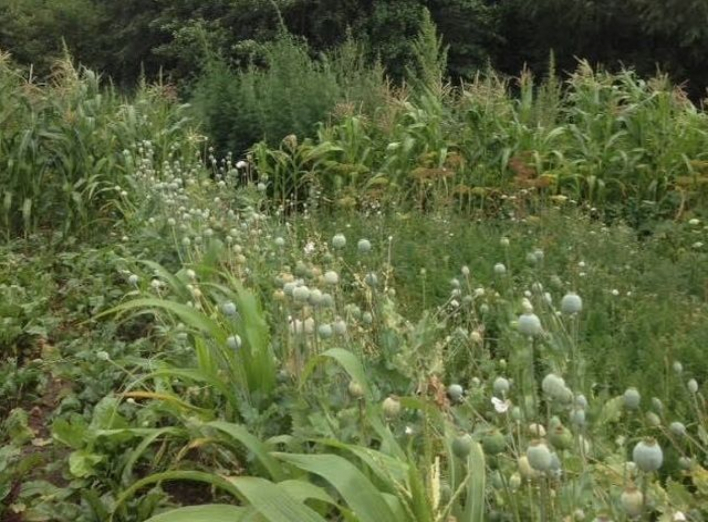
309,248
500,405
409,431
241,165
679,516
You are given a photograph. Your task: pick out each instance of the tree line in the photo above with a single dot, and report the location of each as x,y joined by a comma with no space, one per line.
125,39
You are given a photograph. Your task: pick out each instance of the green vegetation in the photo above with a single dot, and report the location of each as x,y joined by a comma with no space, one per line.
406,301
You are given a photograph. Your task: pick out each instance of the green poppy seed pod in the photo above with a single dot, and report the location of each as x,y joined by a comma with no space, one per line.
529,325
371,279
578,515
339,327
133,279
279,242
301,294
577,417
494,442
500,387
657,404
327,301
653,419
555,463
515,480
497,479
647,455
685,463
581,401
632,501
504,242
525,469
693,386
363,246
331,277
561,438
455,391
300,269
233,342
228,308
499,269
516,414
531,258
367,318
289,288
391,407
539,456
339,241
315,297
678,367
462,445
631,399
571,303
325,331
536,430
678,429
526,306
355,389
538,254
551,384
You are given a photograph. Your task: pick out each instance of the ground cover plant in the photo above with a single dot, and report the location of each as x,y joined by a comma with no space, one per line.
464,305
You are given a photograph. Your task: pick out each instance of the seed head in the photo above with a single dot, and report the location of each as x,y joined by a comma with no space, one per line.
331,277
462,445
632,398
539,456
325,331
529,325
363,246
571,303
455,392
632,501
391,407
647,455
233,342
501,387
693,386
339,241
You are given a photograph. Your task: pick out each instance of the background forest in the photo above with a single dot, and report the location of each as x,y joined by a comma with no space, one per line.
123,39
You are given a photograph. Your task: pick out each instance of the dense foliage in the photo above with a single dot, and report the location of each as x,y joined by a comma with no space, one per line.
122,38
426,301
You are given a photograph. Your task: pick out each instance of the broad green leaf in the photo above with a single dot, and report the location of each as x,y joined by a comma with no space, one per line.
273,502
474,505
205,513
82,463
184,313
385,467
362,497
253,444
